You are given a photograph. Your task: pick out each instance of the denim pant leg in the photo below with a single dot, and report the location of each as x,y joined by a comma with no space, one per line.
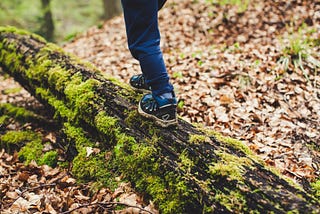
161,3
141,20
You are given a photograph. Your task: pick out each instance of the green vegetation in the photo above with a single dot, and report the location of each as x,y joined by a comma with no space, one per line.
298,51
28,14
171,193
12,90
15,139
177,75
241,4
31,146
32,149
234,143
230,166
49,158
197,139
180,104
28,143
316,188
4,120
20,114
233,200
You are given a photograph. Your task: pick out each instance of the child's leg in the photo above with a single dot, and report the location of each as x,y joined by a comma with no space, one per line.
141,19
161,3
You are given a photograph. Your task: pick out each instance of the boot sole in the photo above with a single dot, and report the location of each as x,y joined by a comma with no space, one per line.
159,122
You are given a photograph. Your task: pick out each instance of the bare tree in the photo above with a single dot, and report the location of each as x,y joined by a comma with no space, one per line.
47,26
111,8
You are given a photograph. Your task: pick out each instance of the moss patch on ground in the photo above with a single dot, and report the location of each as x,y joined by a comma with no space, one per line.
18,113
29,145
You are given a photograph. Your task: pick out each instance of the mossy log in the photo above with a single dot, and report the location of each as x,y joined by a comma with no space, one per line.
184,169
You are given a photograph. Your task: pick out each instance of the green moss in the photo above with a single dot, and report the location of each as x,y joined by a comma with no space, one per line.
15,139
170,193
38,71
233,143
230,166
11,59
93,167
81,96
18,113
237,144
11,29
106,124
12,90
185,162
316,188
89,168
4,120
198,139
49,158
30,144
77,135
207,209
31,151
59,106
233,200
131,117
58,78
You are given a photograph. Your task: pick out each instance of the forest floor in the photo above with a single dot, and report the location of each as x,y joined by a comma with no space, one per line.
250,72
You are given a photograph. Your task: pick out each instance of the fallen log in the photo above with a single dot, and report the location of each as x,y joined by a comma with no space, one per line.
184,169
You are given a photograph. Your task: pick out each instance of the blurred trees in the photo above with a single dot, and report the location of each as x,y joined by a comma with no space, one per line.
47,25
111,8
57,20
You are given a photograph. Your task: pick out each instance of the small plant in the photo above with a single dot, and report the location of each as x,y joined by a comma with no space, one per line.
298,52
198,139
241,4
316,188
70,36
180,104
244,81
177,75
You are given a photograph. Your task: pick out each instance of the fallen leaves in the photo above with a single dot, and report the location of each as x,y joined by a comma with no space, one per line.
42,189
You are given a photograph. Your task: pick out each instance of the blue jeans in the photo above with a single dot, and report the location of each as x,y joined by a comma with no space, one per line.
141,20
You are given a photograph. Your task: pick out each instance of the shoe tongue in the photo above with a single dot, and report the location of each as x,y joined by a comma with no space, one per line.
162,100
166,95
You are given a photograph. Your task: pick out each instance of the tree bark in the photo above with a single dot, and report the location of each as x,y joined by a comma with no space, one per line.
111,8
47,26
183,169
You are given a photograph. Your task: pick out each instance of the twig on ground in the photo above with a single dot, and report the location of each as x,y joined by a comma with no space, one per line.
105,204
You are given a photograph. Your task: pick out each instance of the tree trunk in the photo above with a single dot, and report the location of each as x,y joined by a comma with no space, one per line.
47,26
111,8
183,169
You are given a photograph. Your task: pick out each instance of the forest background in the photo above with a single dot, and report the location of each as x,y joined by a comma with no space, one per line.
57,21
